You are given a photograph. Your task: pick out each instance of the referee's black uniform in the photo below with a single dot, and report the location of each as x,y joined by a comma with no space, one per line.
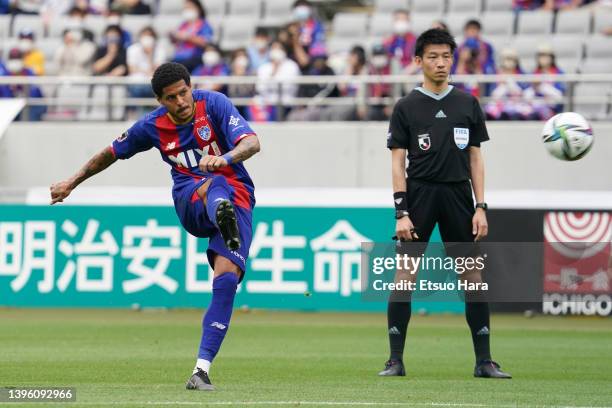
438,130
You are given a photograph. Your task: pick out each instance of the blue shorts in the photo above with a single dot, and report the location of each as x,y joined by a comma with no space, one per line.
194,218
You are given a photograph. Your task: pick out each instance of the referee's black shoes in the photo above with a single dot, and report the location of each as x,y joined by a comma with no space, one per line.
489,369
393,368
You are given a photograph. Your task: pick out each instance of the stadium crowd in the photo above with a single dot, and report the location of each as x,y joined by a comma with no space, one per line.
274,54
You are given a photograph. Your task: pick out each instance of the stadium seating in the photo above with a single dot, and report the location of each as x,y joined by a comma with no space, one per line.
497,5
380,26
599,46
472,7
5,25
169,7
584,103
422,21
456,22
164,24
601,20
250,8
428,6
276,13
498,23
573,22
535,23
237,32
136,23
21,21
388,6
350,25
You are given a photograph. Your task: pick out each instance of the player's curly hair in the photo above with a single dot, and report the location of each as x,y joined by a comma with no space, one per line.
433,36
168,74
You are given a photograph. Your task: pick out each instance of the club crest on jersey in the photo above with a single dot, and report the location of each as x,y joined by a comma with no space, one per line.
462,137
424,141
204,132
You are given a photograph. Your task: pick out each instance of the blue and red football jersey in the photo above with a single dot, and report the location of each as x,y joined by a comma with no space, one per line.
216,128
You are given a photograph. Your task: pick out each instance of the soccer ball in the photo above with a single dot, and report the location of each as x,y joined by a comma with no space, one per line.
567,136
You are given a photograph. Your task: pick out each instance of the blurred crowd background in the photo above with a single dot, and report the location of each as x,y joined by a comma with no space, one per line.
281,40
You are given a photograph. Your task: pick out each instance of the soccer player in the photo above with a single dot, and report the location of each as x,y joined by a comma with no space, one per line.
203,138
439,129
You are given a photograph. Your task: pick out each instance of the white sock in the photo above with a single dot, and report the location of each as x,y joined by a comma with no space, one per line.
203,364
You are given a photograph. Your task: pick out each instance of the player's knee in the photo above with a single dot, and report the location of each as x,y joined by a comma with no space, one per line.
224,265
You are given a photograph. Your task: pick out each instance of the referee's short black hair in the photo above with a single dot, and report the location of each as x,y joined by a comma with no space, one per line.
434,36
167,74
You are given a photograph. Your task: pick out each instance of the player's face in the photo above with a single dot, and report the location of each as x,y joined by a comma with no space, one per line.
177,98
436,62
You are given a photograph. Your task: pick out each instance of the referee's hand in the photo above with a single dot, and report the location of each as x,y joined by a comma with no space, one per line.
404,229
480,228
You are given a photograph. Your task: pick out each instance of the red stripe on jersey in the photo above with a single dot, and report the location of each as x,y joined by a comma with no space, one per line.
241,194
169,141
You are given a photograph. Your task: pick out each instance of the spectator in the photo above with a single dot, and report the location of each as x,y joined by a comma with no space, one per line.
114,17
316,112
33,58
551,92
400,45
511,100
519,5
241,66
87,7
356,66
281,70
379,65
143,57
561,4
308,34
110,58
467,63
130,7
77,21
212,65
258,50
15,67
74,56
471,33
192,35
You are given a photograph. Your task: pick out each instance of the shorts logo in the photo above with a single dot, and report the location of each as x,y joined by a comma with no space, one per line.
204,132
424,141
462,137
123,136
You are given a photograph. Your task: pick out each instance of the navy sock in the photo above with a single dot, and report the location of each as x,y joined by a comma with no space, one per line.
477,316
217,318
217,190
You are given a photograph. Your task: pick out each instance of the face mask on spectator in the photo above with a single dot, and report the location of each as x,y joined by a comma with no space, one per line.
147,41
545,60
401,27
379,61
26,45
241,61
113,39
190,14
301,13
211,58
75,35
277,55
260,44
509,63
14,65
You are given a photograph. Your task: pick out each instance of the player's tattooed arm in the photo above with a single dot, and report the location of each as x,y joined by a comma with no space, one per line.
99,162
245,149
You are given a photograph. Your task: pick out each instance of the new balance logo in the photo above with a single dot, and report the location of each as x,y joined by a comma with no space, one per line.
218,325
483,332
394,330
440,114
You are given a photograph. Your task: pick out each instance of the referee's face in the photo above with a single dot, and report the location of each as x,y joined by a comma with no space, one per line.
436,62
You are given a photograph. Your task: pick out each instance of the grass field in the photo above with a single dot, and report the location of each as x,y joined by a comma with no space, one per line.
135,359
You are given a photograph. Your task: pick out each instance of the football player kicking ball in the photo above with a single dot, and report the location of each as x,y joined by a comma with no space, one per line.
203,138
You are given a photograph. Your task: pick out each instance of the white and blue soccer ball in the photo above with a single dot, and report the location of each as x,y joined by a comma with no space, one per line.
568,136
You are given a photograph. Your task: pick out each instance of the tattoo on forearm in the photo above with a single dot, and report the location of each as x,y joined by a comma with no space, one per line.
245,149
96,164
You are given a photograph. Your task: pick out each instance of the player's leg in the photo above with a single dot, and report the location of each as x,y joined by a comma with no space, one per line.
216,193
215,323
422,209
456,227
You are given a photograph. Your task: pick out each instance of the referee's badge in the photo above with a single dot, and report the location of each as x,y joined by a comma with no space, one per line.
462,137
424,141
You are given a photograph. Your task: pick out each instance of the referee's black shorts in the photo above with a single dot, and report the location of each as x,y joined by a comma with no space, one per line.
448,204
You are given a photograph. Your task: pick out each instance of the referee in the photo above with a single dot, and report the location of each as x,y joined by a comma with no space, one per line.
439,129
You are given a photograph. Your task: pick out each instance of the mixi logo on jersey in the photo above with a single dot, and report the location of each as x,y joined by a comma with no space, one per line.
576,259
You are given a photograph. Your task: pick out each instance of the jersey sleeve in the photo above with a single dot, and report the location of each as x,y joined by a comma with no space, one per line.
227,119
132,141
478,131
399,134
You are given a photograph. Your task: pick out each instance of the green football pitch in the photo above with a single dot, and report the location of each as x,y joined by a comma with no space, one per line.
133,359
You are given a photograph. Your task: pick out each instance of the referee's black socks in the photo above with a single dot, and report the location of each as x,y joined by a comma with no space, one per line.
477,316
398,316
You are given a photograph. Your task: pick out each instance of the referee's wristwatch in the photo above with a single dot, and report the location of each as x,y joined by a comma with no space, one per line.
484,206
401,214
